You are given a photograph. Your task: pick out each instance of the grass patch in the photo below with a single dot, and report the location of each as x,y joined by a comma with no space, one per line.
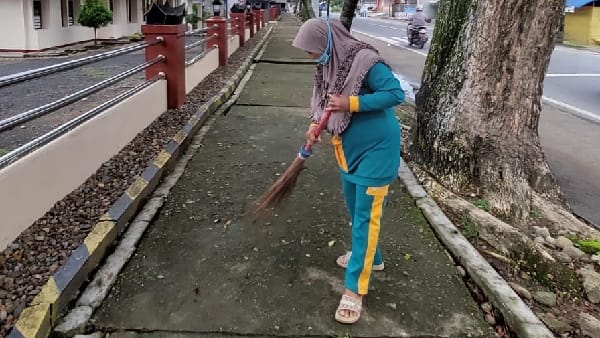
405,114
482,204
135,37
591,247
3,151
469,228
535,213
552,275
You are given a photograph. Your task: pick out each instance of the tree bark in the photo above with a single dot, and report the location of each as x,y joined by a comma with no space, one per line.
307,10
348,13
476,127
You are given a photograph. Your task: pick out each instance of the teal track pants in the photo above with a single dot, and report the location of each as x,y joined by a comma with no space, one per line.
365,205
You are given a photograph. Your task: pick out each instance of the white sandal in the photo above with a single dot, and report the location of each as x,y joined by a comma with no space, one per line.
342,262
351,304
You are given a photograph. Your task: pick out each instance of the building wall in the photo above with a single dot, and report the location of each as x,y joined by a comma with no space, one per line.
17,32
12,26
595,26
578,25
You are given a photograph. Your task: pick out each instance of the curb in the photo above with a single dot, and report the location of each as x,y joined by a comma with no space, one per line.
37,320
516,313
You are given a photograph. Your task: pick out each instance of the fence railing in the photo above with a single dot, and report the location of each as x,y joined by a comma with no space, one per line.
66,153
39,72
165,59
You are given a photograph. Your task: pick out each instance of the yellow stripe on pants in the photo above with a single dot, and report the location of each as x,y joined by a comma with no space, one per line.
378,194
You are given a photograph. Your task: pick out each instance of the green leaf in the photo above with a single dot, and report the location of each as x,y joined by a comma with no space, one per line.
94,14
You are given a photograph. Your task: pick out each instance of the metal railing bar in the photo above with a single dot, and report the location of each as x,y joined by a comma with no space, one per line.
60,67
71,124
197,31
199,56
55,105
195,44
196,34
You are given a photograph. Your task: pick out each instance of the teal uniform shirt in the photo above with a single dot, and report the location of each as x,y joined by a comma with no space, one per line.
368,151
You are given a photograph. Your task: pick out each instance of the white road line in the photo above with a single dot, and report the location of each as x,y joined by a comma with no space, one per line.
400,39
573,75
391,42
575,110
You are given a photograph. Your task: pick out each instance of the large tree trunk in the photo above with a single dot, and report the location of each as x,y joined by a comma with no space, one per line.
476,128
348,13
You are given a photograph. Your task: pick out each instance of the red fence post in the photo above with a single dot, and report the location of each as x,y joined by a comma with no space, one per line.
256,13
250,18
240,21
173,49
218,26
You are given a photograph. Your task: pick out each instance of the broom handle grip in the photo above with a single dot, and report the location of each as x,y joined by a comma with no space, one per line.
322,124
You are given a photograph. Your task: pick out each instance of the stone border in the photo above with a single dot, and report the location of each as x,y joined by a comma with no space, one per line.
38,319
516,313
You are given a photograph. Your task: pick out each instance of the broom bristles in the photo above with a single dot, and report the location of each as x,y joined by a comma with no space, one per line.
281,189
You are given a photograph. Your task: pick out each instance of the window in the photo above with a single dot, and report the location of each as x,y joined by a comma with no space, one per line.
37,14
129,10
66,10
110,8
71,11
132,11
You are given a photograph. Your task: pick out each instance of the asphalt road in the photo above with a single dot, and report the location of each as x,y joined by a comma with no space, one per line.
572,82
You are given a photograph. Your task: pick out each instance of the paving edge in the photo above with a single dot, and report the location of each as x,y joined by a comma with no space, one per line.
38,319
516,313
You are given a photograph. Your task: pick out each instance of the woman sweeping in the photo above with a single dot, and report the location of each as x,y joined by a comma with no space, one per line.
354,83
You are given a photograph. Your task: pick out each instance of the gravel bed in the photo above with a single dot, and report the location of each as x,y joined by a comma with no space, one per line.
40,250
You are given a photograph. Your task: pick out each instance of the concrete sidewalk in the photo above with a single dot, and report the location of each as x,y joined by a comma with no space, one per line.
203,271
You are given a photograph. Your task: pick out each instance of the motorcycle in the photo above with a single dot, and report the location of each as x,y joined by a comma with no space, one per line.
417,36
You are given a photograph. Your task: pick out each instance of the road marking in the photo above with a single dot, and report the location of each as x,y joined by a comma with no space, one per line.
400,39
573,109
573,75
391,42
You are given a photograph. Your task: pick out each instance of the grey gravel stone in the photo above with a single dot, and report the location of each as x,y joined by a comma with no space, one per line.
545,298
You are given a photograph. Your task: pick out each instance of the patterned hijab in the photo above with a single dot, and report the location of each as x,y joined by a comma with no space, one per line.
349,62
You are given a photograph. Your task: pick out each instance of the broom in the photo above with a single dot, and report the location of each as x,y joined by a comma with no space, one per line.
287,181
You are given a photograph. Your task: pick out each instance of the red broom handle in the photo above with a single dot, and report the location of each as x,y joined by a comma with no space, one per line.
322,124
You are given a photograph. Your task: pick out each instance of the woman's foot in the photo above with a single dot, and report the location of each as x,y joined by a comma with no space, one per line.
342,262
348,312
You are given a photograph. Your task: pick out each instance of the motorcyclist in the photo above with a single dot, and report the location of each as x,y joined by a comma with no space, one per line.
417,20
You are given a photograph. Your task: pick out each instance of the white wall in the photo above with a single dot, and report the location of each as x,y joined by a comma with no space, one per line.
234,44
12,25
195,73
17,32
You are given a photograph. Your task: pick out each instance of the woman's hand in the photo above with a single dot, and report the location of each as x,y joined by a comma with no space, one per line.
338,104
310,135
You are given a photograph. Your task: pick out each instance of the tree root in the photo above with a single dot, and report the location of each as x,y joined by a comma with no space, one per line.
503,237
563,219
